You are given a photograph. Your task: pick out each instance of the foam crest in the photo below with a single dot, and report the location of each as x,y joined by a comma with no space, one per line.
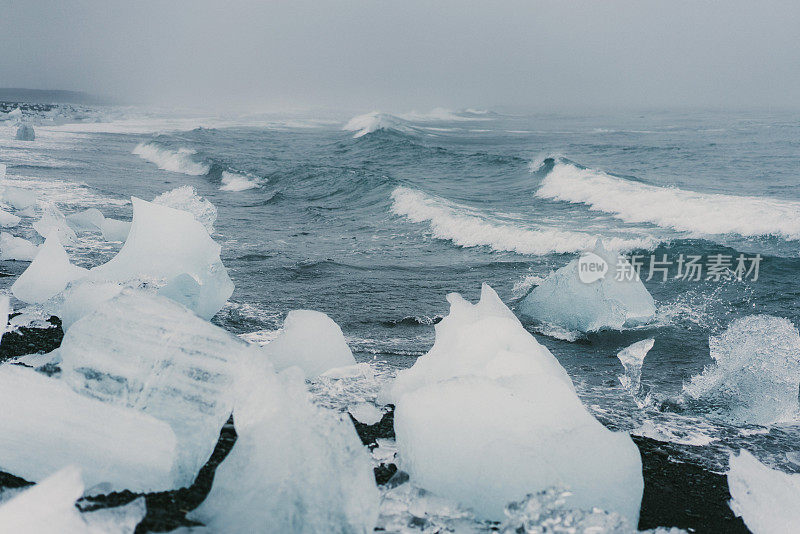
668,207
182,160
467,227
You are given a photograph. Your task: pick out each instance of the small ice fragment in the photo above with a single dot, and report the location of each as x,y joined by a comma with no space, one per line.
164,243
16,248
46,426
114,230
29,212
295,466
8,220
90,220
365,413
48,274
186,198
766,499
144,351
632,359
25,133
563,299
53,220
310,340
18,198
359,370
755,376
119,520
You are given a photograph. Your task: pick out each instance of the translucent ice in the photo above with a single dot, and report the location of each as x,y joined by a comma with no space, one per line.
49,507
156,356
16,248
17,198
5,310
186,198
53,220
632,359
165,243
8,220
311,341
490,403
48,274
25,133
46,425
756,371
366,413
114,230
295,467
82,298
86,221
562,299
767,500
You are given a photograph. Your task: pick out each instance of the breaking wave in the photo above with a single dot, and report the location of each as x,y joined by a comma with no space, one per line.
467,227
668,207
182,160
410,122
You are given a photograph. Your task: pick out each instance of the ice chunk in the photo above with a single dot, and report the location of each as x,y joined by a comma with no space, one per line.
5,310
484,339
489,403
114,230
90,220
147,352
186,198
16,248
53,220
311,341
365,413
25,133
14,113
564,300
767,500
49,507
295,467
46,426
8,220
632,359
82,298
165,243
756,371
48,274
17,198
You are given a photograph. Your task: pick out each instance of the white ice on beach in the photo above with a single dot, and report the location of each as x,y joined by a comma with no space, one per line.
767,500
53,219
18,198
186,198
5,311
489,403
310,340
632,359
49,507
90,220
756,371
82,298
8,220
564,300
48,274
114,230
154,355
46,425
295,467
164,243
16,248
25,132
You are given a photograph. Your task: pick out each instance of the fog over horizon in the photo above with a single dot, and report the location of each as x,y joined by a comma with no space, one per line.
397,56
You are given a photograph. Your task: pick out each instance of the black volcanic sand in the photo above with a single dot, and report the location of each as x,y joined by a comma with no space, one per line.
676,494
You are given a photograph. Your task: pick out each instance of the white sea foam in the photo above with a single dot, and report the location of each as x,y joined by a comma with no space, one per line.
467,227
234,181
669,207
372,122
181,160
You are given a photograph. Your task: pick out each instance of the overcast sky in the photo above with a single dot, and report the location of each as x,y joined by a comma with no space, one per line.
406,54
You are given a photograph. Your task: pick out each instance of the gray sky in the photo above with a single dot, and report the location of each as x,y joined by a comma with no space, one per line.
407,54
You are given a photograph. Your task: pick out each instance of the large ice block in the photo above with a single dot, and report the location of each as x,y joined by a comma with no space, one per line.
767,500
16,248
755,376
46,425
48,274
565,300
489,403
186,198
25,132
310,340
144,351
164,243
115,230
86,221
82,297
295,467
52,220
8,220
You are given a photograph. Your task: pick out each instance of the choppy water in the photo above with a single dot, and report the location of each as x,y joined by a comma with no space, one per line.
374,225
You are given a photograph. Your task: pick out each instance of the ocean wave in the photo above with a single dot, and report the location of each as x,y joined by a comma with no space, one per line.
467,227
670,207
182,160
411,122
235,181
